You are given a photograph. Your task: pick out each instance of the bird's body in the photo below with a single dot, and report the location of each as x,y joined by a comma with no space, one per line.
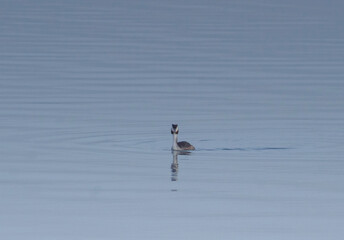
179,146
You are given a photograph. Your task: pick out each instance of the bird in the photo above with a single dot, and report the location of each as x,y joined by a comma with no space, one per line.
179,146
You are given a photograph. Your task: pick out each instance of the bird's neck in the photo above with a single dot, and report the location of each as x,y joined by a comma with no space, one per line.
175,140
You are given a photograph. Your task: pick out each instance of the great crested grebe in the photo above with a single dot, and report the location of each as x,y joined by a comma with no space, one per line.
179,146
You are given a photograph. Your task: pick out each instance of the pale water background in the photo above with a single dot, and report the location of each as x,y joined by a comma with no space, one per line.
88,92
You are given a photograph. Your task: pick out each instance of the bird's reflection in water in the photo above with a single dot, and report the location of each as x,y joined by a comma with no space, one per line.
174,165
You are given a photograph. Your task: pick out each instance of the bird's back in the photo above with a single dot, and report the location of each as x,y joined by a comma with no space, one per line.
185,145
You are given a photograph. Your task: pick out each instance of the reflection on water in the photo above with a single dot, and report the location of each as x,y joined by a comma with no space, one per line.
174,165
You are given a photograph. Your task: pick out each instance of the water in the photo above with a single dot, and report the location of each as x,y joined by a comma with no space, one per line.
88,93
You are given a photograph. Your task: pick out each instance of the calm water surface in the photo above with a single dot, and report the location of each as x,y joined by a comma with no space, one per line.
88,92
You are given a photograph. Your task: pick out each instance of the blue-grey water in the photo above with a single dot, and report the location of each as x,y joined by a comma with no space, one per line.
88,92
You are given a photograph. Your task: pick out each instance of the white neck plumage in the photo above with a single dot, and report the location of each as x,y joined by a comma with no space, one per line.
175,140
